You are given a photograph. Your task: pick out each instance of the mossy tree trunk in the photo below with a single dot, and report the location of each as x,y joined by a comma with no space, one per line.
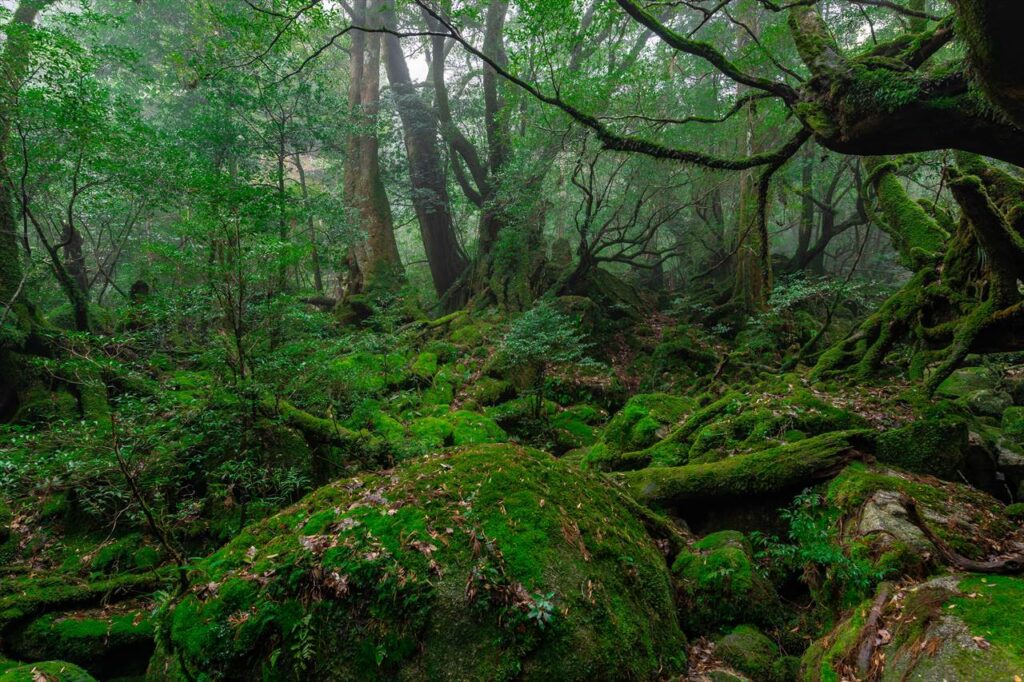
955,303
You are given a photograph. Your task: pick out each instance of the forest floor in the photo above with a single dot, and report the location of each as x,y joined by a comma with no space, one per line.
416,500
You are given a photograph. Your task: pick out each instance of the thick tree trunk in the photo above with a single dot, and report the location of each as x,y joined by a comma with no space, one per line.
426,171
374,263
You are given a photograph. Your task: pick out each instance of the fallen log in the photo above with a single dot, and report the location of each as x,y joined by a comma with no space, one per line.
790,467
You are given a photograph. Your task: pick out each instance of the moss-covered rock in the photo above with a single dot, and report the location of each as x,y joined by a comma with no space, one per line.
482,563
936,446
643,420
1013,424
719,585
988,402
953,628
45,671
967,380
749,651
109,643
870,499
431,432
471,428
487,391
425,365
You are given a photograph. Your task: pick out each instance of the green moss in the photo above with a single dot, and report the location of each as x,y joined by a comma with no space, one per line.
24,598
1015,511
770,471
471,428
490,563
822,658
637,424
93,639
431,432
929,446
487,391
51,671
719,585
425,365
1013,424
991,606
365,372
749,651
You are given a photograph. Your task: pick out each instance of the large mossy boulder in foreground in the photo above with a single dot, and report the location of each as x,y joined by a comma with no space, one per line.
490,562
953,628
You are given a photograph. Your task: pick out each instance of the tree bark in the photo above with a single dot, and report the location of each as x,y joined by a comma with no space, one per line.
426,170
374,262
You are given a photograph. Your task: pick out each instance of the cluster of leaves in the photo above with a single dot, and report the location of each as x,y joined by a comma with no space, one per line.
835,575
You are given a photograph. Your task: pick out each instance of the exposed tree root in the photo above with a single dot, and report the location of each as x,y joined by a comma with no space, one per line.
1007,565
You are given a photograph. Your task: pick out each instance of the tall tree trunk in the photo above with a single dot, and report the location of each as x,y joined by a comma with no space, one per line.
426,171
806,230
496,122
318,277
374,262
752,273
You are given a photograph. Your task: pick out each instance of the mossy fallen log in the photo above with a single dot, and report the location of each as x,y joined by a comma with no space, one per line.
775,470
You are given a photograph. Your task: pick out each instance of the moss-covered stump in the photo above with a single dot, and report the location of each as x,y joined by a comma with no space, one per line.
46,671
109,642
871,500
749,651
953,628
488,562
719,585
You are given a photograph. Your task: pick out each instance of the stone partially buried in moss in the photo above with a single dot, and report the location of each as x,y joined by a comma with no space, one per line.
719,585
642,419
749,651
1013,424
482,563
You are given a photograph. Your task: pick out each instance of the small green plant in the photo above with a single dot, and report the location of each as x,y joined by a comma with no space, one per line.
539,338
835,575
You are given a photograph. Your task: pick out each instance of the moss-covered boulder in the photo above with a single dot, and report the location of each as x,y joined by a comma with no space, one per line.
644,419
472,428
871,502
967,380
937,446
45,671
483,563
988,402
1013,424
719,585
749,651
953,628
